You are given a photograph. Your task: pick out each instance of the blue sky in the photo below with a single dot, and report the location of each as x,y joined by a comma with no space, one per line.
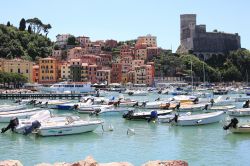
127,19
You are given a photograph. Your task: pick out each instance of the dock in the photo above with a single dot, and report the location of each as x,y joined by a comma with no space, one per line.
72,96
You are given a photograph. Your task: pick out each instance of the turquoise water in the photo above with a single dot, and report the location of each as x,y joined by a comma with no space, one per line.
198,145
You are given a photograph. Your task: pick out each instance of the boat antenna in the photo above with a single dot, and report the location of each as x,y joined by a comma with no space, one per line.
192,80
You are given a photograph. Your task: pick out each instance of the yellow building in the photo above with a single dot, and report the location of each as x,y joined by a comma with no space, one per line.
18,66
149,40
65,71
48,70
84,72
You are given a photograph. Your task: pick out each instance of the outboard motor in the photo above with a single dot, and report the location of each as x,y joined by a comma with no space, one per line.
12,125
35,125
158,99
75,107
128,115
246,105
206,107
212,102
96,112
196,100
160,91
175,119
143,104
130,93
136,104
177,106
232,124
153,116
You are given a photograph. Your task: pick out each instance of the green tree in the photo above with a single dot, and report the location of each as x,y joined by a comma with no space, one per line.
71,41
29,29
22,25
8,24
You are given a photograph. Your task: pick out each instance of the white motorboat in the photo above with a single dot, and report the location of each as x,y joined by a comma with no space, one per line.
239,112
6,108
7,116
198,119
234,127
192,107
92,108
219,101
132,115
222,108
155,105
138,93
67,127
111,111
53,104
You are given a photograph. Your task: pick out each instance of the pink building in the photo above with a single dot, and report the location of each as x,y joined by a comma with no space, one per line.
126,62
126,51
105,60
152,52
92,73
137,63
111,43
76,52
103,76
83,40
141,54
116,73
91,59
57,54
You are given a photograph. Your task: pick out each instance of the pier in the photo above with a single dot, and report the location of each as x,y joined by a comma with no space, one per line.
42,95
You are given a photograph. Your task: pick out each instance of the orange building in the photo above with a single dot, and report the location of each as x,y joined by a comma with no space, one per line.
48,70
35,74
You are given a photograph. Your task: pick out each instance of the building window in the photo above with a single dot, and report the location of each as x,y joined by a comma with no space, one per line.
27,71
11,70
18,70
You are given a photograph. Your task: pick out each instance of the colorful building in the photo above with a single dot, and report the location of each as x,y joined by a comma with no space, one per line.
84,41
65,71
92,73
149,40
116,73
103,76
48,70
18,66
84,72
35,74
111,43
141,54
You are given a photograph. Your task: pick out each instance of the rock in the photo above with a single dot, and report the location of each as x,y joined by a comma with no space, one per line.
166,163
89,161
117,164
10,163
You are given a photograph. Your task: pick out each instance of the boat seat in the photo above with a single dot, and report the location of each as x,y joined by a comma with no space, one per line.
69,120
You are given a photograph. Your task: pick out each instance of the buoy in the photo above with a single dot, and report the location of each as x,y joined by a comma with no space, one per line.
130,131
111,128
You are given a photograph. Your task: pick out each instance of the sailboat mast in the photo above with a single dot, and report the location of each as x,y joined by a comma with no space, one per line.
192,81
204,76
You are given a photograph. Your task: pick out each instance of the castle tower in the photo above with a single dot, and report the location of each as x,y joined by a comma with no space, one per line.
188,22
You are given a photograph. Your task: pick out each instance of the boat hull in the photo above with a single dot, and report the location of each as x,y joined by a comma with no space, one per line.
67,130
183,121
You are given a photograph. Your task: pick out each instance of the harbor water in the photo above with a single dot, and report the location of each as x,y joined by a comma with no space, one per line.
198,145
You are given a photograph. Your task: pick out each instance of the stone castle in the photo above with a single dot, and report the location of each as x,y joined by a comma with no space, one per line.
196,40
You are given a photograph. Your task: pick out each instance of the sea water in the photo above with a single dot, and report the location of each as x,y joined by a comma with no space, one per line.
198,145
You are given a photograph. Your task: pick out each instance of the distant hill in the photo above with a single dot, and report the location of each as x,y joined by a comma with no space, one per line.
15,43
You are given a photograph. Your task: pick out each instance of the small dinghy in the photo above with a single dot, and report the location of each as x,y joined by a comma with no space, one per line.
111,111
234,127
6,108
198,119
132,115
26,113
239,112
68,127
222,108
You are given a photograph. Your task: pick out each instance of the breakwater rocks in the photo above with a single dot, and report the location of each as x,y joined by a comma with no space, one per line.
89,161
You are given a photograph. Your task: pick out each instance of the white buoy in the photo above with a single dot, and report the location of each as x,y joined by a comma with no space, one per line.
130,131
111,128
